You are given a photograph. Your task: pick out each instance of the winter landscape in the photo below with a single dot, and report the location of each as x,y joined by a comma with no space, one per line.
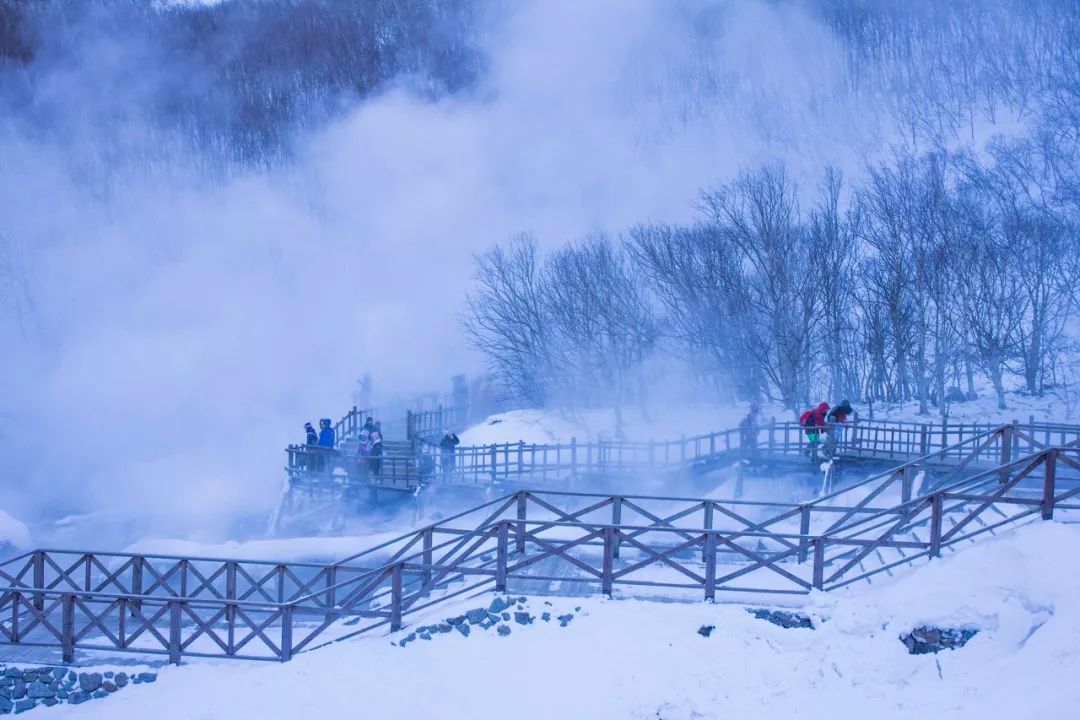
540,358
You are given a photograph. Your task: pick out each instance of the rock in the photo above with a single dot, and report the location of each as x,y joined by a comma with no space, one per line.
497,606
50,701
29,676
24,705
6,705
109,675
121,679
463,628
577,609
523,599
476,616
5,681
18,689
705,630
488,623
109,686
147,677
13,673
506,616
38,690
783,618
503,630
444,627
523,618
58,674
98,694
423,636
546,617
72,677
61,694
564,620
455,621
923,640
89,682
5,692
77,698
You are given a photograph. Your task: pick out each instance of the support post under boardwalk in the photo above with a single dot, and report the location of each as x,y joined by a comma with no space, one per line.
1006,452
395,597
174,631
819,563
1050,480
708,524
286,633
39,580
67,632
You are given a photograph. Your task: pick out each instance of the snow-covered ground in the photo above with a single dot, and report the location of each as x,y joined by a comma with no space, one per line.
623,659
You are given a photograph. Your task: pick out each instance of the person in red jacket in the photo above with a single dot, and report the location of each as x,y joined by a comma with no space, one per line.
813,423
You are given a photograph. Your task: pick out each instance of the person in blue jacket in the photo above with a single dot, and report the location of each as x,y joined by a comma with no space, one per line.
326,434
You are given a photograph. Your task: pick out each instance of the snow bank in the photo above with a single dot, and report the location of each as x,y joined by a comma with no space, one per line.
632,659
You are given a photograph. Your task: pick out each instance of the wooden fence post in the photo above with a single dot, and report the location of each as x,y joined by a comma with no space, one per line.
804,532
607,574
819,563
1006,452
287,633
500,556
710,565
395,597
39,580
426,558
616,519
494,462
230,594
67,632
522,505
937,502
708,525
174,631
1050,467
905,484
924,440
573,455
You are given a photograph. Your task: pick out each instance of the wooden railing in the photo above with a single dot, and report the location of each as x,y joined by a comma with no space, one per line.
678,547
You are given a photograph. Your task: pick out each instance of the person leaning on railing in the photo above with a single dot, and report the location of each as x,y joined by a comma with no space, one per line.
749,427
834,419
447,448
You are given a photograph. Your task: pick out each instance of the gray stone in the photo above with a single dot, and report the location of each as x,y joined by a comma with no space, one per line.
89,682
29,676
476,616
39,690
503,630
924,640
148,677
705,630
523,618
121,679
109,686
546,617
5,692
109,675
77,698
13,673
564,620
72,677
5,681
18,689
423,636
100,694
506,616
497,606
463,628
6,705
456,620
24,705
523,599
783,618
444,627
62,694
58,674
50,701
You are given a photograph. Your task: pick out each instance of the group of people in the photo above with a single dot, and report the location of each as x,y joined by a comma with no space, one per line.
821,425
324,438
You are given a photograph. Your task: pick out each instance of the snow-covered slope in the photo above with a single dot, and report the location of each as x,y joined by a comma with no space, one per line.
632,659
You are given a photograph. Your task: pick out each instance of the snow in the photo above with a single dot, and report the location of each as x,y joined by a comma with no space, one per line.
634,659
295,549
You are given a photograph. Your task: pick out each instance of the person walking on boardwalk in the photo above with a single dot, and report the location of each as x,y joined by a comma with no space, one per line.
375,453
312,437
834,419
748,431
447,449
813,423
